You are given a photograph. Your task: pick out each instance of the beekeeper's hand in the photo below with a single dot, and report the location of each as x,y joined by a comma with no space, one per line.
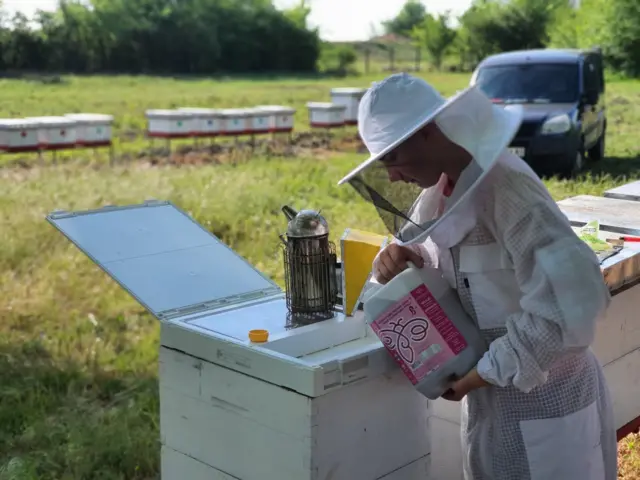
393,260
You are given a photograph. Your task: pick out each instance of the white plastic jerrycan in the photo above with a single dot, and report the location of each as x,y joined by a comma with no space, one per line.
420,320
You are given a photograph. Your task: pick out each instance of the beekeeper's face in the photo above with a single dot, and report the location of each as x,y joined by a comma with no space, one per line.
420,159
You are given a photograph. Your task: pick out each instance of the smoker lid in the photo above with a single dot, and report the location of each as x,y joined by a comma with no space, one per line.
163,258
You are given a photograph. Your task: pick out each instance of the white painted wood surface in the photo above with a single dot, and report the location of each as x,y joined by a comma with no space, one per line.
614,215
629,191
221,419
176,465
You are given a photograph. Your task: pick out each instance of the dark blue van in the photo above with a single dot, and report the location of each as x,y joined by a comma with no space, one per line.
562,92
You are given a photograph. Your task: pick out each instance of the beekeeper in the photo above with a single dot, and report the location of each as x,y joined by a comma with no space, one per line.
536,406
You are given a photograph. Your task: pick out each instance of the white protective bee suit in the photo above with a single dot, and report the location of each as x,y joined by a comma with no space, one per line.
534,289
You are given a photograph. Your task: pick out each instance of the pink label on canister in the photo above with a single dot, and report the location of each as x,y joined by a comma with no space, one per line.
418,334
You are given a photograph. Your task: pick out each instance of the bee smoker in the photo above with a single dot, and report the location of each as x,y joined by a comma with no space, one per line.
310,267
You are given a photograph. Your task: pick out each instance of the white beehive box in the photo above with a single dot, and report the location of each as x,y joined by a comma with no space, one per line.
207,122
325,400
236,121
350,98
169,123
92,129
326,115
258,121
55,133
280,118
18,135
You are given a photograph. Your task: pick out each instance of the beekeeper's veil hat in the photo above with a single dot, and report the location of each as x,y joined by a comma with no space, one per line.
392,111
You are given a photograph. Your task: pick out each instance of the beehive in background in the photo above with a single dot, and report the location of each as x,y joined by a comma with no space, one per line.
358,249
236,121
350,98
326,115
18,135
169,123
280,117
206,122
92,129
55,133
258,121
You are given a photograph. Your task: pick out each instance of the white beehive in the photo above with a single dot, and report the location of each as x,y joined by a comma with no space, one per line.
92,129
258,121
326,115
280,118
326,400
56,133
18,135
236,121
169,123
207,122
350,98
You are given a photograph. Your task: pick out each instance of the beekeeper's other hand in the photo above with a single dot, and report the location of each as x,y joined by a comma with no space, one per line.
392,260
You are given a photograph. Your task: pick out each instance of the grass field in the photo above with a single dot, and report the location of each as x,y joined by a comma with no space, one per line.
78,357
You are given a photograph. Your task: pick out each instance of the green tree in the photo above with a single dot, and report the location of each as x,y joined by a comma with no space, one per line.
411,15
436,36
623,42
163,36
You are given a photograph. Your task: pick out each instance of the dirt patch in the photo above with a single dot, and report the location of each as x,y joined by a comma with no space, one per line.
303,145
317,145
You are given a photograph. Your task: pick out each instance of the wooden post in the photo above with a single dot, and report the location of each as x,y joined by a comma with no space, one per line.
367,59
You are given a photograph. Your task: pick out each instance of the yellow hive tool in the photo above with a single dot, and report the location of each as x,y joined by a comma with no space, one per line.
358,249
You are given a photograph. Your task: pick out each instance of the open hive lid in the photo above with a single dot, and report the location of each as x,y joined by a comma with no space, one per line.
188,279
91,118
169,263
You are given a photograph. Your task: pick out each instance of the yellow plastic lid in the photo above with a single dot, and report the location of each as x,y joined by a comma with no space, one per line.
258,336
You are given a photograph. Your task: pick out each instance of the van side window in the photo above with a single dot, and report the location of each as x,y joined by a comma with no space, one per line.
591,76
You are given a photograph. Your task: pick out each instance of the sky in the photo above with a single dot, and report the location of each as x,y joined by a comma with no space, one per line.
338,20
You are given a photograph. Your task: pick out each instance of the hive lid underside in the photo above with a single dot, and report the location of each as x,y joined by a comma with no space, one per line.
163,258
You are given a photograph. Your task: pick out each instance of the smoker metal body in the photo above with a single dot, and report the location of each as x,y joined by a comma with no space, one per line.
310,267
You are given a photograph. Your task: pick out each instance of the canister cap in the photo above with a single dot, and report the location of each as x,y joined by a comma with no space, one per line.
258,336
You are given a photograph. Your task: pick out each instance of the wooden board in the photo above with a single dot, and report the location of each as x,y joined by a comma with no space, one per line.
623,269
220,418
178,466
614,215
629,191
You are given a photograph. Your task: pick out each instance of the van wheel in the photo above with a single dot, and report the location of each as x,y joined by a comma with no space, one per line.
596,152
575,167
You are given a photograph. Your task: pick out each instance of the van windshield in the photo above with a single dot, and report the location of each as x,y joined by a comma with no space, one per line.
531,83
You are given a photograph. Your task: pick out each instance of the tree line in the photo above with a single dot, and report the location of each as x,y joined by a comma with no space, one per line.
493,26
160,36
251,36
